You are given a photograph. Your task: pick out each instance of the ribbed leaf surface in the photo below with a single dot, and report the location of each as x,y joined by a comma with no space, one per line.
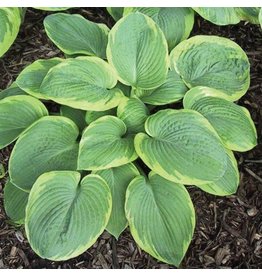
15,201
49,144
228,183
65,217
116,12
219,16
13,90
10,20
105,145
212,61
249,14
91,116
31,78
233,123
17,114
161,217
176,23
182,146
138,50
73,34
133,112
172,90
83,83
118,179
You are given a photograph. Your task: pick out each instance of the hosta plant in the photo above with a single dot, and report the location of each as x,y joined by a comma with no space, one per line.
121,153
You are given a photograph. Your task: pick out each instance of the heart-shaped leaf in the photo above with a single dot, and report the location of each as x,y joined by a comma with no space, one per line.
118,179
137,49
172,90
90,87
49,144
212,61
219,16
228,183
65,217
133,112
161,217
31,78
17,114
104,145
15,201
169,19
233,123
182,146
10,21
73,34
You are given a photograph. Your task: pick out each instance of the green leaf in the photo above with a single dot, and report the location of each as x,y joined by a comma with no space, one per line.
48,145
172,90
182,146
73,34
138,50
133,113
2,171
212,61
90,87
17,114
219,16
10,20
64,217
52,8
115,12
13,90
91,116
228,183
260,18
161,217
104,145
76,115
169,19
31,78
118,179
15,201
233,123
249,14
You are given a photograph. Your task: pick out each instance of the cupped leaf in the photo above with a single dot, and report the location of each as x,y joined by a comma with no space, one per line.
10,21
48,145
249,14
115,12
73,34
104,145
137,48
212,61
228,183
76,115
15,201
219,16
233,123
64,217
182,146
133,112
91,116
172,90
17,114
169,19
161,217
89,87
118,179
31,78
13,90
198,92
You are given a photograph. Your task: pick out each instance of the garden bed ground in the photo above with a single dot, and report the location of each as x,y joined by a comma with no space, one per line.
229,229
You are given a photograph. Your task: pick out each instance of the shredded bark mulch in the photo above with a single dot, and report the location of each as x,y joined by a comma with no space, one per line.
228,233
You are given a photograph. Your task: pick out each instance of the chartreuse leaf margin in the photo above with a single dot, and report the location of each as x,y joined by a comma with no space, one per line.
110,135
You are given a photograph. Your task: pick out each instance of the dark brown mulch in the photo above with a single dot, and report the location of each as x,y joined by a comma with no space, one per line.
229,229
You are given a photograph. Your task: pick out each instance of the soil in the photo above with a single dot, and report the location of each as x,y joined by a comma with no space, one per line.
228,233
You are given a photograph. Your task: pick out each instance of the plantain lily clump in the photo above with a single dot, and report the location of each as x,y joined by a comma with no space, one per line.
144,112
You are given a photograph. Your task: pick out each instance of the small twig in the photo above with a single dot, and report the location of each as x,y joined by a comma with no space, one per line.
253,174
